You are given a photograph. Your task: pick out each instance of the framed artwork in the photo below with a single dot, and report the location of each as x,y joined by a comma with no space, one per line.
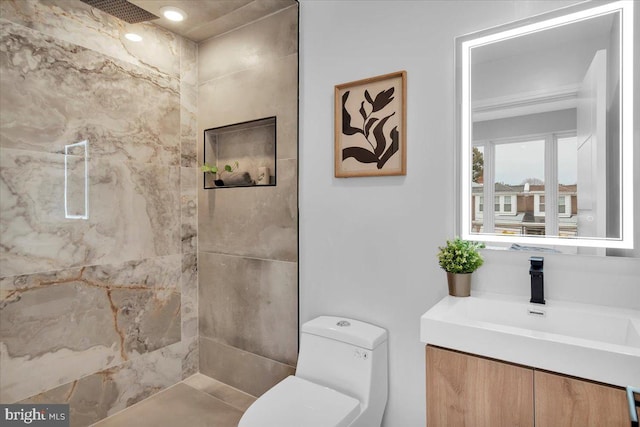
370,126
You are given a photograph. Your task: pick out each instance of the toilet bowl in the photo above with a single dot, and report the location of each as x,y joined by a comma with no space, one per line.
340,381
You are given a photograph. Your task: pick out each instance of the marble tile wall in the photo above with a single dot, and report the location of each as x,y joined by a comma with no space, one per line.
247,237
98,312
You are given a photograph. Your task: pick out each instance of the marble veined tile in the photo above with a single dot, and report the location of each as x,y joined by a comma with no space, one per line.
190,360
180,405
189,209
188,102
79,23
96,396
189,280
133,213
188,62
60,326
55,93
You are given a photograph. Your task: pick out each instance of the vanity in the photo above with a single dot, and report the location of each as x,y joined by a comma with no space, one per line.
496,360
546,156
546,163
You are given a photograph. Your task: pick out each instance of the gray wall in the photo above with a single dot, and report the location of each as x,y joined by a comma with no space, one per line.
99,313
247,245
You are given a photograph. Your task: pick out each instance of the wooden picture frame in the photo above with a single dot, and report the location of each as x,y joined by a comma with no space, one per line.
370,126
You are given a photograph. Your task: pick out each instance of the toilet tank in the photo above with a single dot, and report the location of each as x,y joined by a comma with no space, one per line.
347,355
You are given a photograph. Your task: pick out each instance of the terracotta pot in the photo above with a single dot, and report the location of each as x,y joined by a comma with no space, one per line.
459,284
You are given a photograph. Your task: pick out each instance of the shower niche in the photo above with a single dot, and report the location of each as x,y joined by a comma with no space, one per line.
240,155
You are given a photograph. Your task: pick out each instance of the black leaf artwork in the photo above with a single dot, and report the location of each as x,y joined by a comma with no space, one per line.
380,151
393,148
347,129
363,113
360,154
367,127
381,142
382,99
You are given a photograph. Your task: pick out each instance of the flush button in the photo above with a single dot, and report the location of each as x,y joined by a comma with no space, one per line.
343,323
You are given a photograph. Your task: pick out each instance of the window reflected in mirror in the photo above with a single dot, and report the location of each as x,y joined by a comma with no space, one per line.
519,186
544,127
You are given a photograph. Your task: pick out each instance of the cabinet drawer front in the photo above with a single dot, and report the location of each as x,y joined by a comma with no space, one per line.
569,402
464,390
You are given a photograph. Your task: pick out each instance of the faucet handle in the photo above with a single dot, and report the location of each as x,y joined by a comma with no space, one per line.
536,263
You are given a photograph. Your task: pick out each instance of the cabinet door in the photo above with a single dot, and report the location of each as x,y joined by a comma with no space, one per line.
569,402
465,390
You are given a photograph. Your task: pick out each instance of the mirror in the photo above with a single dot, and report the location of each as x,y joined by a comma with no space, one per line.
546,132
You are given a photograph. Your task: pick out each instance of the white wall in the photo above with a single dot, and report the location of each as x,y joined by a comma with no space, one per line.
368,245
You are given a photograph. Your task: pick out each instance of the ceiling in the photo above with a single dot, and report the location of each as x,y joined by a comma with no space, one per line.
209,18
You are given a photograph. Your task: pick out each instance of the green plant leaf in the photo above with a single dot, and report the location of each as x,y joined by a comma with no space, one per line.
460,256
209,168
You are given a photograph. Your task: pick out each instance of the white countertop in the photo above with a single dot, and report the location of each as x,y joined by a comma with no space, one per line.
588,341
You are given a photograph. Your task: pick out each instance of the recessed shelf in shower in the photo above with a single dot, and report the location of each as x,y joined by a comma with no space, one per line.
247,148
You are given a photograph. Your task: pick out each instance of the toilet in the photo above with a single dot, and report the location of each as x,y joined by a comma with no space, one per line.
341,379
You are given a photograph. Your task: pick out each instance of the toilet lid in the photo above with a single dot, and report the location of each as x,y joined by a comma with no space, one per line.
296,402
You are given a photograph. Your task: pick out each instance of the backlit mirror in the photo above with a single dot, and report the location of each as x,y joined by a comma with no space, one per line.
546,131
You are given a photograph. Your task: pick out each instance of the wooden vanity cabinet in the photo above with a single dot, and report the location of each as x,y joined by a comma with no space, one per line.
464,390
564,401
473,391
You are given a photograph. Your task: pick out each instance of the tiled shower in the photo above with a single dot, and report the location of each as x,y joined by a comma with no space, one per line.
248,237
151,278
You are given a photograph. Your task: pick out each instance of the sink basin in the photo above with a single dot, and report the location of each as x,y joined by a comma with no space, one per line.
589,341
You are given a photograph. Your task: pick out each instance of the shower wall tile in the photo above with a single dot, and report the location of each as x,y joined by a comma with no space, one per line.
60,326
101,312
243,370
189,63
250,304
259,222
76,22
134,212
190,360
104,393
255,93
189,210
189,278
247,237
96,98
189,204
188,102
250,46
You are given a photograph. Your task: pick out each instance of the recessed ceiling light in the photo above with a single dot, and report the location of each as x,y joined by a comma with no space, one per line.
173,13
133,37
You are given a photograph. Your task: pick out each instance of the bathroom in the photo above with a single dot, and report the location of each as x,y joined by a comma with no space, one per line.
322,245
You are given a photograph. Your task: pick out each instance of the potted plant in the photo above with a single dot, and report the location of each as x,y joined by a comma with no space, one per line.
217,172
459,258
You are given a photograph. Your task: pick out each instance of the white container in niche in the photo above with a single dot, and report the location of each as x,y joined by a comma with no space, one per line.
248,147
264,176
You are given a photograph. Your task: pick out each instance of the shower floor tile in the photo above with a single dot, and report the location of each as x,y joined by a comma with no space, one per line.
229,395
185,405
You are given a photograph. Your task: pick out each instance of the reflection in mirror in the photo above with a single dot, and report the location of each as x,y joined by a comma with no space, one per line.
543,129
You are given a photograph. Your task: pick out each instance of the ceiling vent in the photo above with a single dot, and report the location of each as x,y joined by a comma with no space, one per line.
122,9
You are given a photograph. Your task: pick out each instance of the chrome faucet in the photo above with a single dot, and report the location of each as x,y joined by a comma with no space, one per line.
537,280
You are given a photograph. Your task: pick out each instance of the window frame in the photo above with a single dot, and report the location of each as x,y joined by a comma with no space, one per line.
551,196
